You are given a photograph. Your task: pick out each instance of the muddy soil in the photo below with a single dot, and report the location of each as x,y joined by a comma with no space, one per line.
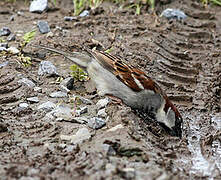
183,57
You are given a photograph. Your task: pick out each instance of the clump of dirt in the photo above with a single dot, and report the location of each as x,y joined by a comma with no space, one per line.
183,57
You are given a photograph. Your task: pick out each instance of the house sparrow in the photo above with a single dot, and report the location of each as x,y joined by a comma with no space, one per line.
113,77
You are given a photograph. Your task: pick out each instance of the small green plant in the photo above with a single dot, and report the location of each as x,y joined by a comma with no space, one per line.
78,73
26,61
216,2
79,6
152,4
27,38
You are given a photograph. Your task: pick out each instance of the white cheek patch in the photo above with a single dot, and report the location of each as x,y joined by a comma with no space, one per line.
168,119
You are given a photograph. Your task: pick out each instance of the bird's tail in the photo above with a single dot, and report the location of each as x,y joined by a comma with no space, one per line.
82,59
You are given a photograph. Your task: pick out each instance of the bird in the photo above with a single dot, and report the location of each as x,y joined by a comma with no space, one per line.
112,76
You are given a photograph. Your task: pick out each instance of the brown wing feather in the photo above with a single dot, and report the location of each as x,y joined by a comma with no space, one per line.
126,73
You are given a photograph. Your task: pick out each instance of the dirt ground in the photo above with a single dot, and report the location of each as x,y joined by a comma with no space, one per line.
183,57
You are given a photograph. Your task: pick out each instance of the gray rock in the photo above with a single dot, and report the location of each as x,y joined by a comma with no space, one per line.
70,84
84,13
3,49
12,18
70,18
4,63
20,13
13,50
5,45
80,120
173,14
82,110
11,37
5,31
80,136
47,106
102,103
37,89
119,126
27,82
33,99
108,150
47,68
63,84
101,113
43,27
38,6
63,112
58,94
96,123
128,173
23,105
82,99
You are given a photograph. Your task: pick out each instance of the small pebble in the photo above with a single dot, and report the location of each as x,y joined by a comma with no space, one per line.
80,136
27,82
128,173
82,110
5,31
63,84
173,14
108,150
96,123
23,105
33,99
20,13
83,100
102,103
38,6
5,45
62,112
43,27
58,94
3,49
47,106
12,18
70,84
84,13
119,126
11,37
70,18
101,113
47,68
37,89
13,50
4,63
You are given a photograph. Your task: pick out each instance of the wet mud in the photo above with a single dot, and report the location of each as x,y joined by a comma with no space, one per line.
184,57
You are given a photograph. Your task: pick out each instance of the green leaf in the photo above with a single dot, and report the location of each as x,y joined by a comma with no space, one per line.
29,36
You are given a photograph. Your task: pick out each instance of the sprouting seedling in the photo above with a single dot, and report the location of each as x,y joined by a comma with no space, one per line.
78,73
29,36
79,6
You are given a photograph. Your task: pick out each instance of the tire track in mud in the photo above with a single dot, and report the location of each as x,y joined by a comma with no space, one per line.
10,90
187,64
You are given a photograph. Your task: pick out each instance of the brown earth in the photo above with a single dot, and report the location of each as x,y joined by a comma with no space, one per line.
183,57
